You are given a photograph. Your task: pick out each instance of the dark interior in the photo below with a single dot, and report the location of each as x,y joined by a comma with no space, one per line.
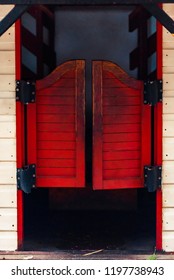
79,229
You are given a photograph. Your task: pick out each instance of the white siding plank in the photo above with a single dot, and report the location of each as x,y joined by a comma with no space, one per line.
168,44
4,69
7,149
7,58
168,219
168,93
169,8
7,173
7,40
168,105
168,195
8,196
168,69
5,9
168,117
168,83
7,83
168,128
7,118
7,107
168,57
168,148
8,130
168,172
8,94
168,241
167,37
8,219
8,241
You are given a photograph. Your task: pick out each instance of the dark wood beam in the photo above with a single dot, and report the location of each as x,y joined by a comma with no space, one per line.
161,16
83,2
11,17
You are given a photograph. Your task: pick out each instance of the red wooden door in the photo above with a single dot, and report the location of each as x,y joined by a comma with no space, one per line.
121,129
56,127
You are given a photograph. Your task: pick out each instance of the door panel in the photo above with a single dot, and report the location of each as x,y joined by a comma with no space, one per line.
56,127
121,129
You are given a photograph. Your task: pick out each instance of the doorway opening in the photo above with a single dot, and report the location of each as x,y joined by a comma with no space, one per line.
83,218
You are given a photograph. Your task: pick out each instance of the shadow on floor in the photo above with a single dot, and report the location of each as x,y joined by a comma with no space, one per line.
90,230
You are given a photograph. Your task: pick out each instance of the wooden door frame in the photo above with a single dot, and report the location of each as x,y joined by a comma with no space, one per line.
20,141
19,137
158,140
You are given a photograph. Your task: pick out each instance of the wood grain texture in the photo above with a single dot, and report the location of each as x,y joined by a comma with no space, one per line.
58,136
121,126
97,126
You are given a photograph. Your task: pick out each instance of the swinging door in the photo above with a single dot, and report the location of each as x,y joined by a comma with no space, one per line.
56,127
121,129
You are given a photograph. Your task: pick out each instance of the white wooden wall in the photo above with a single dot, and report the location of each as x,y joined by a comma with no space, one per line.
168,136
8,193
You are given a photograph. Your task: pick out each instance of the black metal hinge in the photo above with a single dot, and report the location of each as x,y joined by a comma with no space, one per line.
25,91
153,92
26,178
152,177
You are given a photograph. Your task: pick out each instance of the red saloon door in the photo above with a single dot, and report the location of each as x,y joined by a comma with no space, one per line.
56,127
121,129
